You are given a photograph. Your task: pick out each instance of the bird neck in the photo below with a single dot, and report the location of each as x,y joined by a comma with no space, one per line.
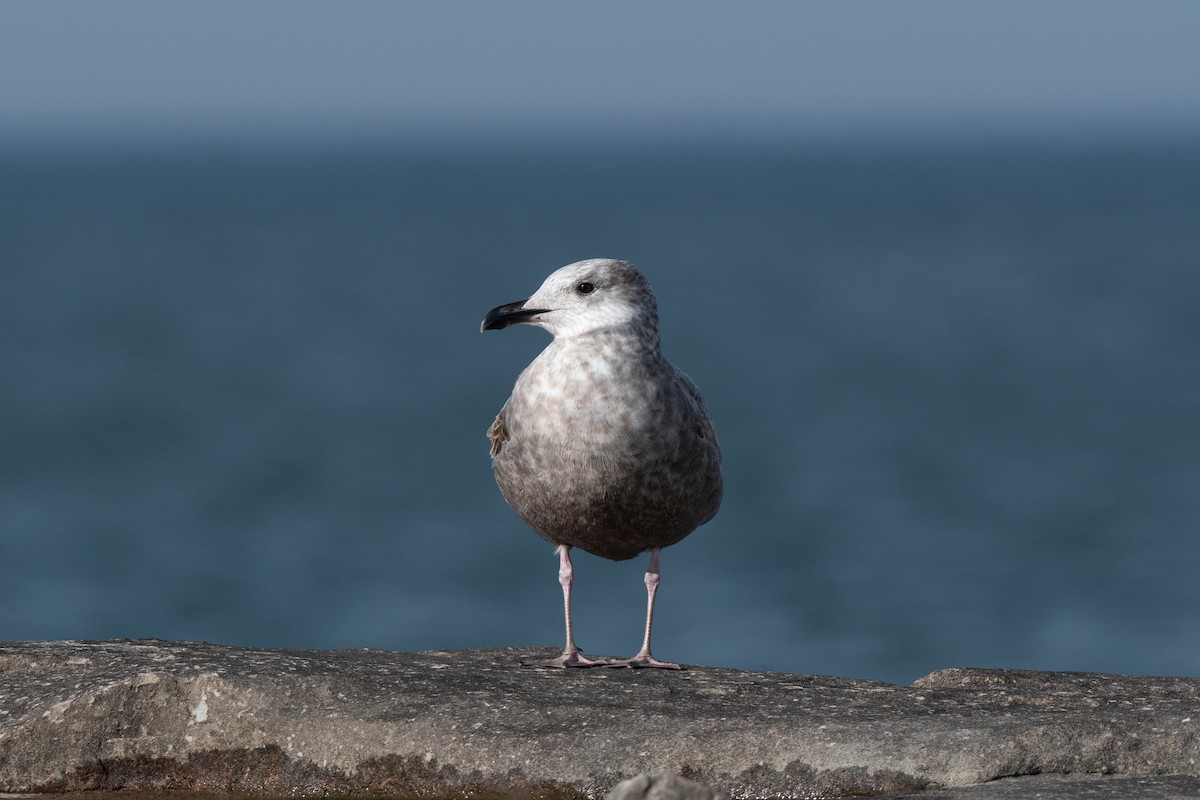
631,340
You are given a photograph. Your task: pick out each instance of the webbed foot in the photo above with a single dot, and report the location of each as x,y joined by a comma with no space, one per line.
569,658
644,661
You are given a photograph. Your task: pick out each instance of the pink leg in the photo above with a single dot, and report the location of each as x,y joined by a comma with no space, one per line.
571,656
643,658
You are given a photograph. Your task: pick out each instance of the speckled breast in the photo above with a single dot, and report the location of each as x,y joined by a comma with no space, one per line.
612,473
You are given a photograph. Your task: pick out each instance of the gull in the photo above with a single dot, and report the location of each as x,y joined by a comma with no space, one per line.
603,445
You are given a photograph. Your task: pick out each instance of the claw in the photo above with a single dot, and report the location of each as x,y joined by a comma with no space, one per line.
567,659
644,662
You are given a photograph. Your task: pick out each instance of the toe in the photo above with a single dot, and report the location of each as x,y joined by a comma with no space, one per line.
567,659
644,662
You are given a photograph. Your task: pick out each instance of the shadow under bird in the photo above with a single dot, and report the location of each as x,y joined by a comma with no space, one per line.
603,445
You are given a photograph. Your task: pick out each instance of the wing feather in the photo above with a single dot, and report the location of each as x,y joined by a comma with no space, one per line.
498,433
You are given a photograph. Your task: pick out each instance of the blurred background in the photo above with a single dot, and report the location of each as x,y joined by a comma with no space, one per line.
935,266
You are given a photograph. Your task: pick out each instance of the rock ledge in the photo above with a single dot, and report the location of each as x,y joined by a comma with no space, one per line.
154,715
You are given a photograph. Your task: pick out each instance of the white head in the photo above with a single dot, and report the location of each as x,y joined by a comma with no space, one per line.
585,297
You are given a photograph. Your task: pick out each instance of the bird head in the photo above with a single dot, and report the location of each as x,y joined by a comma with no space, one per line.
582,298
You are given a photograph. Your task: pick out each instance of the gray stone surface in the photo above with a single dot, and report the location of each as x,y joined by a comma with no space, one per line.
663,786
1070,787
153,715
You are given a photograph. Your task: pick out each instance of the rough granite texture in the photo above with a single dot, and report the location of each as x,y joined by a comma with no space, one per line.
663,786
154,715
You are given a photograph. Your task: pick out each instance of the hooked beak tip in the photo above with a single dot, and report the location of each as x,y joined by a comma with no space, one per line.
516,313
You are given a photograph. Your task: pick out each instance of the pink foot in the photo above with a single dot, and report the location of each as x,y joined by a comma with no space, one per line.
569,658
641,661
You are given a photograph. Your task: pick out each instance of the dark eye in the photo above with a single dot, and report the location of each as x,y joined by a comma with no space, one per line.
585,288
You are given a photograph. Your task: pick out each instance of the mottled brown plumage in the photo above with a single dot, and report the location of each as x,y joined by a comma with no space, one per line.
603,445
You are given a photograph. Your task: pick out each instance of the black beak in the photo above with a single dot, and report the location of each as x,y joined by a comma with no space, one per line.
501,317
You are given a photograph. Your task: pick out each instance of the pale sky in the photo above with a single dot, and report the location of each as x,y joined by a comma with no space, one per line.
528,68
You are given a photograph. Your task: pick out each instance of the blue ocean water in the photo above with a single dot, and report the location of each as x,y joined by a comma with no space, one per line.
243,399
